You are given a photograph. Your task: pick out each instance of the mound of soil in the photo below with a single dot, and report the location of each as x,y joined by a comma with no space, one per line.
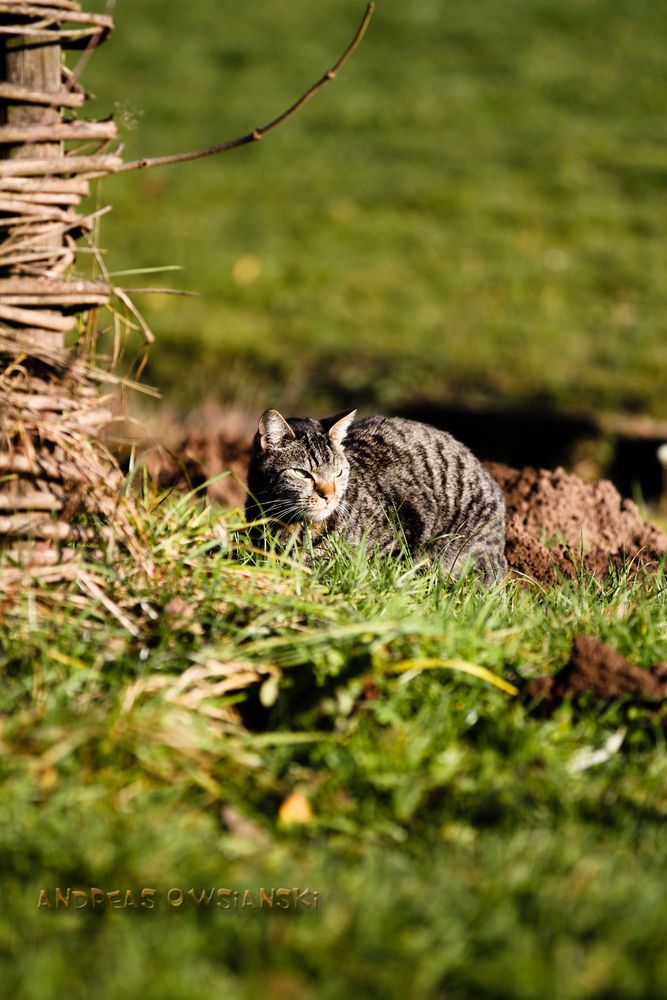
557,523
595,667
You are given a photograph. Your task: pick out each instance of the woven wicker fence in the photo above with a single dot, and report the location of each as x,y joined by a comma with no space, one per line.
57,483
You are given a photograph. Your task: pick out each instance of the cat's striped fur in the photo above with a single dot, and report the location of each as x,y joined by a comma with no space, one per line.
383,481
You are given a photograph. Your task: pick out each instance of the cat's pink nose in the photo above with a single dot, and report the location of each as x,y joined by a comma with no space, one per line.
327,491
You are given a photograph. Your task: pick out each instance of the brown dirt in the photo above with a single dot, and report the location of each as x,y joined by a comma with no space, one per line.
558,523
183,454
597,668
199,457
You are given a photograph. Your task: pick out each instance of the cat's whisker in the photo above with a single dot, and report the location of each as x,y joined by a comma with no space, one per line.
342,507
280,507
284,515
281,502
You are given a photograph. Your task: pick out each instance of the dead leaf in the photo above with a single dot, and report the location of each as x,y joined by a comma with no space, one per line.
296,809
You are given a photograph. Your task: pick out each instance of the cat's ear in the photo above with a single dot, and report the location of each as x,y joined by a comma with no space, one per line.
338,425
274,431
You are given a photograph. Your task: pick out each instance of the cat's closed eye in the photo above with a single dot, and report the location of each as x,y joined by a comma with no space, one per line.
301,473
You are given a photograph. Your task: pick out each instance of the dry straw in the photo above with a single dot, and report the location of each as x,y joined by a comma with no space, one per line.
58,484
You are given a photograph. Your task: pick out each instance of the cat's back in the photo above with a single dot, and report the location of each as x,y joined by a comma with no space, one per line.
377,440
444,498
395,460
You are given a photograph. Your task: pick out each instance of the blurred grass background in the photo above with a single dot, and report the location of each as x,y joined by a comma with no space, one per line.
474,211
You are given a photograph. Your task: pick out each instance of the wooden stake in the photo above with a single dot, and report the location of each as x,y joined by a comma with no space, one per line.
37,69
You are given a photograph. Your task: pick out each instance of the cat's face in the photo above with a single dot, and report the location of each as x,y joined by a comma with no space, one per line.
304,468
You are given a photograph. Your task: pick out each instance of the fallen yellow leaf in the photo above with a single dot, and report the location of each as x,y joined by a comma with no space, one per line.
295,809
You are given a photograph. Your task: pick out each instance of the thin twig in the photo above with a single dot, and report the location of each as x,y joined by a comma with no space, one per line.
86,582
256,134
162,291
84,58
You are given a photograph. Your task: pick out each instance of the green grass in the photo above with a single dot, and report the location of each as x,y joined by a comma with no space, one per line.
473,210
459,845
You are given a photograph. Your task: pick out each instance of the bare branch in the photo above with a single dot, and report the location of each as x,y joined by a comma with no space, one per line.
256,134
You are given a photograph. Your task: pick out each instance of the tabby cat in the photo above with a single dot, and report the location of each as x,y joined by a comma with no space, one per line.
383,481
